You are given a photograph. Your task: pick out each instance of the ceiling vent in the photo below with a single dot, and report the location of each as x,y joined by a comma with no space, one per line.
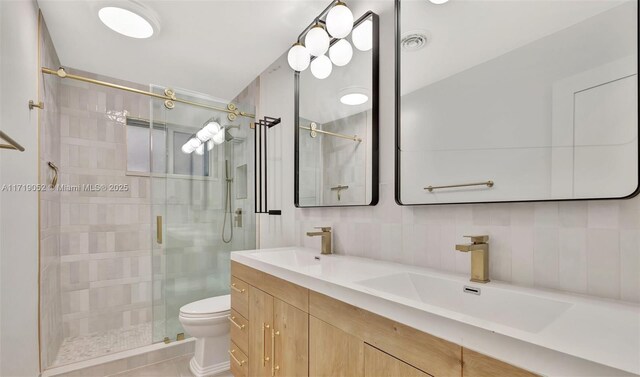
414,41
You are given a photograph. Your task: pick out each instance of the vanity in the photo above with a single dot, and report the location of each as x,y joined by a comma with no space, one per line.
298,313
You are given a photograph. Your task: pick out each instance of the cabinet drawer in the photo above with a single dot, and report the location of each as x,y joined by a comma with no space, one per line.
240,296
239,361
239,330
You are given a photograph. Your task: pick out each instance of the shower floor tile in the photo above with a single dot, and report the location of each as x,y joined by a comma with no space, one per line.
88,346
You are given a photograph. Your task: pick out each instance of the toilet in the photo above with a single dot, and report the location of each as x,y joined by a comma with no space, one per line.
206,320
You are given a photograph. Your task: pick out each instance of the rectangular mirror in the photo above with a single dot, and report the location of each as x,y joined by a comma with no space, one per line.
502,101
336,126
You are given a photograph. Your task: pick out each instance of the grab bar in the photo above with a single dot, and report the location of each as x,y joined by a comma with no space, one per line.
487,183
12,143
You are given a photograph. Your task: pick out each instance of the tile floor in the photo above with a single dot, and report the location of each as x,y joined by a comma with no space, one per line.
88,346
177,367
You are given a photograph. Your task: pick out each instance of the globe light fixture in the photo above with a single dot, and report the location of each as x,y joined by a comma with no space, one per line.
317,40
340,20
341,53
321,67
362,36
298,57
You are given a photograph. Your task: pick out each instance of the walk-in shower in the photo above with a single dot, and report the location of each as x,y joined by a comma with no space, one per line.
120,262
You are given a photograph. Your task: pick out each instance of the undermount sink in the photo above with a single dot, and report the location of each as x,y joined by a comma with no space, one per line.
515,309
291,258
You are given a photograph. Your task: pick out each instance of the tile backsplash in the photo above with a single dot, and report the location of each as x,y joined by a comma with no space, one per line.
588,247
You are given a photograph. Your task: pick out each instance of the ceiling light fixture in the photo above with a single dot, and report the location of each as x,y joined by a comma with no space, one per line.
126,22
354,99
438,2
354,96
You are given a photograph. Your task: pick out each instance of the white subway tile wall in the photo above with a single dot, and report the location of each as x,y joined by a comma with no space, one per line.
105,240
587,247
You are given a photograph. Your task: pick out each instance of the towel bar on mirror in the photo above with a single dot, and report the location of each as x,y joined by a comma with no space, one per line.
487,183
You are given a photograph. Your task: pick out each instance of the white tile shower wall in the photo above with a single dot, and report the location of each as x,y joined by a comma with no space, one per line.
105,238
50,290
590,247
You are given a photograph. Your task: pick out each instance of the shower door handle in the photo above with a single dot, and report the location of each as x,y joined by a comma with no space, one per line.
159,229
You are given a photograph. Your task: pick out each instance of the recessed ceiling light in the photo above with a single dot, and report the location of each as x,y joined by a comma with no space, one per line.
438,2
354,99
125,22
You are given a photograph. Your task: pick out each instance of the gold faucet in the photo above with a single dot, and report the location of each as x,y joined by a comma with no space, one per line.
326,238
479,249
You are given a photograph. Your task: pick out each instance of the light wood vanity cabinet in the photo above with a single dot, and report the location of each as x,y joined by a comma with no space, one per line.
380,364
277,324
333,352
290,331
479,365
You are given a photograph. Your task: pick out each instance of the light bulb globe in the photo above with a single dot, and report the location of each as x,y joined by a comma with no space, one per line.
219,137
321,67
339,21
298,57
362,36
341,53
317,41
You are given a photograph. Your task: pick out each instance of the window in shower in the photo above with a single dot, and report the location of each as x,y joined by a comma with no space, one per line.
165,145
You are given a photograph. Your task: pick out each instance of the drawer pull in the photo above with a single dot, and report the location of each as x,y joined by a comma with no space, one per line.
265,358
274,367
236,324
233,286
240,363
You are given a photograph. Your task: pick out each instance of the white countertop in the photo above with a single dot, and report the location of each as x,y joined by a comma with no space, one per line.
544,331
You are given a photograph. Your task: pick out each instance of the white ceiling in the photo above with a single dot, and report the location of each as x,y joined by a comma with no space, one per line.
464,33
209,46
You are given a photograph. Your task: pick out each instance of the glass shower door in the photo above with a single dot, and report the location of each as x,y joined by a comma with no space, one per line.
197,196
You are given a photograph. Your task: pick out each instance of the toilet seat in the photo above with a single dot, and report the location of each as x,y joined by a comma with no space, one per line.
212,307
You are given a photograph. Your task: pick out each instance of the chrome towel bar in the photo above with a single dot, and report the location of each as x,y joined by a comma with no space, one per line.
487,183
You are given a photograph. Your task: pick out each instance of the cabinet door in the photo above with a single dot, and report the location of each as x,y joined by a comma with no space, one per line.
260,325
290,340
333,352
380,364
479,365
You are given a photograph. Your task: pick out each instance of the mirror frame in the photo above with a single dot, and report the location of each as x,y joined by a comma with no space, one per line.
375,50
397,151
